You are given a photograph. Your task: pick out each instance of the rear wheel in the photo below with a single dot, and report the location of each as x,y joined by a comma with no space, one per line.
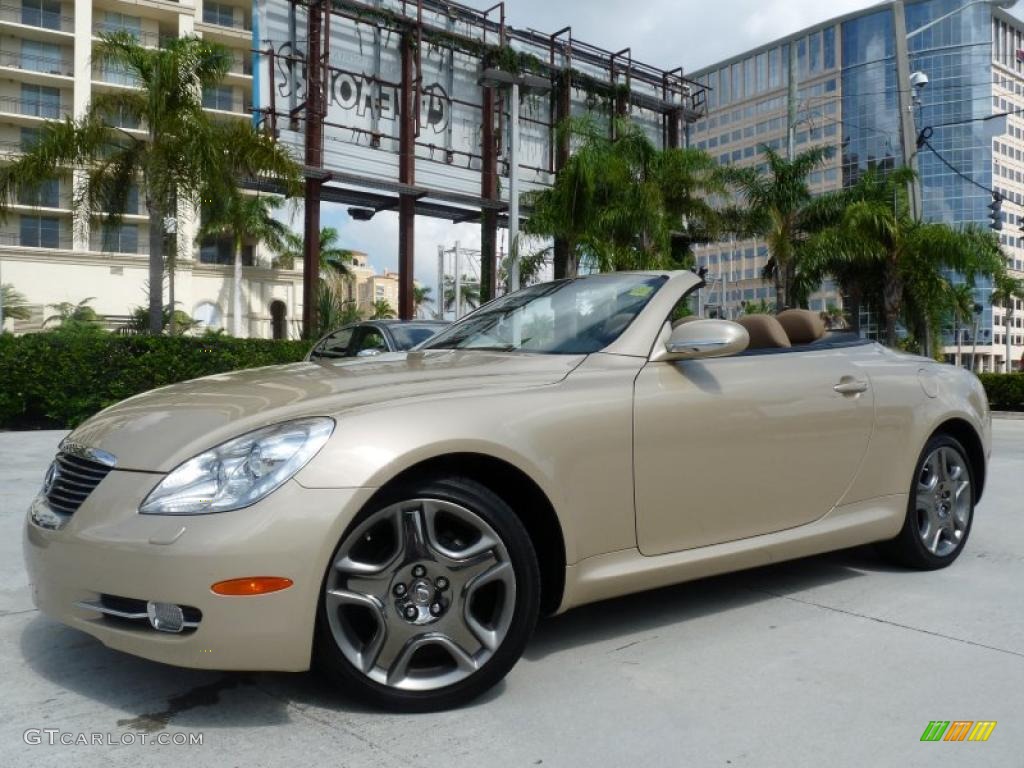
430,597
941,507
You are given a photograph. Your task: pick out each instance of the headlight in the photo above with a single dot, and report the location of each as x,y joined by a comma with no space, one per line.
240,472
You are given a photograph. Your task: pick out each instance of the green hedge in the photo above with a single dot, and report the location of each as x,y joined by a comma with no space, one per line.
1005,390
60,378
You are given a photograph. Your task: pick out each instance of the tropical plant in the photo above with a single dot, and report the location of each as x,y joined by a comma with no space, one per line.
333,259
421,297
530,266
1006,290
623,204
182,154
759,307
177,323
14,303
780,209
469,293
381,310
333,310
897,262
834,317
960,304
68,313
242,217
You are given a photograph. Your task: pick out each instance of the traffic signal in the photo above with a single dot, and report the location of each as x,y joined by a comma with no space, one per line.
996,212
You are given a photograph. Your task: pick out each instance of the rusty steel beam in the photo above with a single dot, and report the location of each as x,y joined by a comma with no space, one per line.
407,130
489,191
314,158
564,265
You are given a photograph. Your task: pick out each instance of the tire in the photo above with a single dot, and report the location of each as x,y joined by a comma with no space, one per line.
429,598
943,515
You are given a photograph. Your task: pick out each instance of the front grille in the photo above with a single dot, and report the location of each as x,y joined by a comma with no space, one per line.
70,481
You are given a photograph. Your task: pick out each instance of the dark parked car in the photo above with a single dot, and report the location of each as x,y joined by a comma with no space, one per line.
372,337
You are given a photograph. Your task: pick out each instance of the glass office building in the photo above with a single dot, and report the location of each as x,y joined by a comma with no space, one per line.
848,99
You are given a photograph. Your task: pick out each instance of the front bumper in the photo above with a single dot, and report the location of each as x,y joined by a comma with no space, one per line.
108,548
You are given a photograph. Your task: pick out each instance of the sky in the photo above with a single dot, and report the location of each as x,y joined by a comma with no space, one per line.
664,33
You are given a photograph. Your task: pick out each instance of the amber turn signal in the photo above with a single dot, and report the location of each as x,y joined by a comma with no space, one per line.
254,585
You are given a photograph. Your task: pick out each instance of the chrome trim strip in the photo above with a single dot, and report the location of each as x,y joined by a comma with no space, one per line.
85,452
100,608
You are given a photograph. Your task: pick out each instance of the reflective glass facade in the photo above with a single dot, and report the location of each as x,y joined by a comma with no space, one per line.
849,98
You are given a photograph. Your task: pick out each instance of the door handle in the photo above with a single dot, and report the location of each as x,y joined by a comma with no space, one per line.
853,387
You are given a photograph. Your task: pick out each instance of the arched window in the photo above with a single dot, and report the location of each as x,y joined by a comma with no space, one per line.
208,315
278,318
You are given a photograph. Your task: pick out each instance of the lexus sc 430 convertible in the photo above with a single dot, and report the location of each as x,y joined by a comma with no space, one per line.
401,521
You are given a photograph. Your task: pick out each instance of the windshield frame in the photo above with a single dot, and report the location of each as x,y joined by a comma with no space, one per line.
641,286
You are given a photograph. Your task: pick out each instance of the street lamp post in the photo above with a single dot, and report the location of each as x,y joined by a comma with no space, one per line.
499,78
905,88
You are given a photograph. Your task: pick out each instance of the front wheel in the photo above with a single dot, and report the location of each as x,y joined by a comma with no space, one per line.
430,597
941,507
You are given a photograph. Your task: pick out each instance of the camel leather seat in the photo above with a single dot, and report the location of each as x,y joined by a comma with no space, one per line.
802,326
765,332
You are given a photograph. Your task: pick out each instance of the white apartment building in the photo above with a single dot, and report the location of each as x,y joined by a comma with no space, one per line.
47,72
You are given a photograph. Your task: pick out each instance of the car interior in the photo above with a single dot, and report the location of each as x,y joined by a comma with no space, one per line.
792,330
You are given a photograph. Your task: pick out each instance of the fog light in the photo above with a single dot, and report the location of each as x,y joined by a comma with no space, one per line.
165,617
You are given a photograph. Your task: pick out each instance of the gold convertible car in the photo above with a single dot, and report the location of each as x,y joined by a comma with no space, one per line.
401,521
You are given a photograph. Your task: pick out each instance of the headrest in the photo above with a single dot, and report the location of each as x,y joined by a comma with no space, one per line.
802,326
765,331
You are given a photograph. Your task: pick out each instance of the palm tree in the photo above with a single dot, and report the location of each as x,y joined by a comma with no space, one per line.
1006,290
243,217
421,297
69,313
382,310
183,157
624,204
14,304
781,210
332,257
333,309
960,300
469,293
898,262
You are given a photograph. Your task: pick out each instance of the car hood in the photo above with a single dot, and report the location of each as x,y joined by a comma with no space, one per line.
157,430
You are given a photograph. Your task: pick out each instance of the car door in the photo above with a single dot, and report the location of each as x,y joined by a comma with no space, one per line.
368,341
333,346
733,447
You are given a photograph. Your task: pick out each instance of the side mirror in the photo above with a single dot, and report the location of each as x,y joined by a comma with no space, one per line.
703,338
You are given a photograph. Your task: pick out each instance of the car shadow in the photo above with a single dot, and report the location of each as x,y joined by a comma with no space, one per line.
156,696
644,611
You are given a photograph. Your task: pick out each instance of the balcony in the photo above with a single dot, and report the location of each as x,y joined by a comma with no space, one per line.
111,75
50,21
148,39
45,65
35,108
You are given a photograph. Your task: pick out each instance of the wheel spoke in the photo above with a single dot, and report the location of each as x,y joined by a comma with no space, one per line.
933,538
431,541
414,540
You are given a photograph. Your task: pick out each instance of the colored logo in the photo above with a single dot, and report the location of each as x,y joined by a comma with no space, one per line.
958,730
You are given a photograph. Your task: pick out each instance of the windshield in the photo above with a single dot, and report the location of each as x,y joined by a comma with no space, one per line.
567,317
408,336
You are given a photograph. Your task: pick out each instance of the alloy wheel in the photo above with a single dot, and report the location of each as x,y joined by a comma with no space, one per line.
420,595
943,500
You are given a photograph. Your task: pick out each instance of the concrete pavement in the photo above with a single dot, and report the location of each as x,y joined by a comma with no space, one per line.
838,660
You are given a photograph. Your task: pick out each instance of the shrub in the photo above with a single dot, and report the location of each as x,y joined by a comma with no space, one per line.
1005,390
60,378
